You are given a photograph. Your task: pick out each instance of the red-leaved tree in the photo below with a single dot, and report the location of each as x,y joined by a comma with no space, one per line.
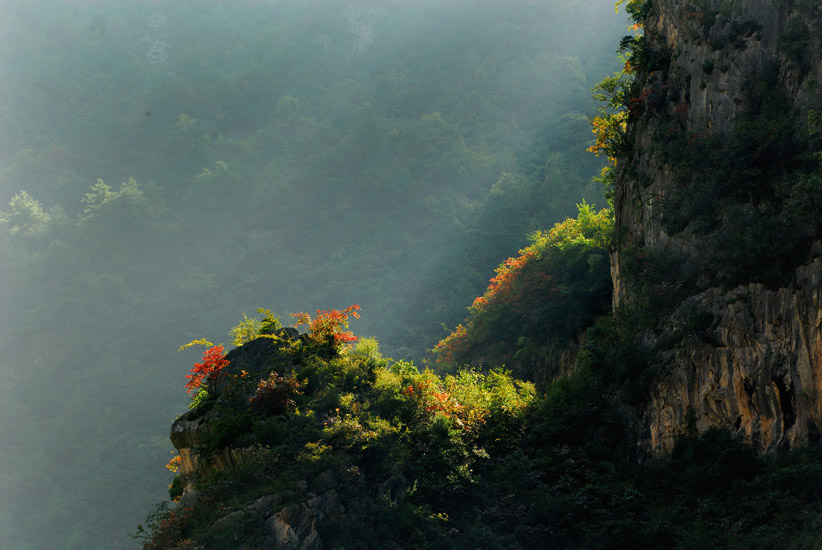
213,363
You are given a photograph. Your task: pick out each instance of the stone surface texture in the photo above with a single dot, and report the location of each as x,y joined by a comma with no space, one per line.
758,370
694,36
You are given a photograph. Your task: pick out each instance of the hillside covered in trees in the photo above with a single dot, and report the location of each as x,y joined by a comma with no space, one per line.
670,341
166,167
641,372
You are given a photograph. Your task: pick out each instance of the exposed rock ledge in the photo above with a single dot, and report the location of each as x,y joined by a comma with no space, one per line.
293,518
758,370
190,430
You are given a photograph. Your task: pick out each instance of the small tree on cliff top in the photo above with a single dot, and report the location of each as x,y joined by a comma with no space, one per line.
213,363
327,328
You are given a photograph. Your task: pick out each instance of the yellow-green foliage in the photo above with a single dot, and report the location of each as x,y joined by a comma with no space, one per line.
201,342
245,331
590,229
551,291
250,327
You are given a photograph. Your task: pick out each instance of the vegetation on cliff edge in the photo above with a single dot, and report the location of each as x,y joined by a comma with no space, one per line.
470,460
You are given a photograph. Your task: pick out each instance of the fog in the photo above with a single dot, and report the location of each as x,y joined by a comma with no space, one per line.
166,167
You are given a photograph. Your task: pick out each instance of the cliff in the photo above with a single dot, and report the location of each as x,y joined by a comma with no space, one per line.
708,58
718,185
756,370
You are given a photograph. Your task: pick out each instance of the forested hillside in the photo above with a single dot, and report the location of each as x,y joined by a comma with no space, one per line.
672,341
166,167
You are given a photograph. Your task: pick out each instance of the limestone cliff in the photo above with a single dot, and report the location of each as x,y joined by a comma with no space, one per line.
757,370
717,72
707,56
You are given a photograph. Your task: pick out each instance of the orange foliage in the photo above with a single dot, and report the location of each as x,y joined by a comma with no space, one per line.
328,326
526,286
608,130
174,464
435,399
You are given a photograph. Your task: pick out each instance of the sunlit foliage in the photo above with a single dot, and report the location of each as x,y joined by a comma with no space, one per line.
211,367
355,412
251,327
327,328
549,292
276,157
614,93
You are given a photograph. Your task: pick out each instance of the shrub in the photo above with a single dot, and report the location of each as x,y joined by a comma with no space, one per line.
275,395
327,328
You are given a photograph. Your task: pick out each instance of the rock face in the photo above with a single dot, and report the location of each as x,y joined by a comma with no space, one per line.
287,526
292,518
257,357
295,527
187,433
709,54
758,369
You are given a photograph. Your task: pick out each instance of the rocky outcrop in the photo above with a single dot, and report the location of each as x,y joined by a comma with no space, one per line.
191,430
703,58
757,369
288,521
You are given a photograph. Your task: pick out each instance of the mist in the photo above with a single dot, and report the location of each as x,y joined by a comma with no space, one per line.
166,167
